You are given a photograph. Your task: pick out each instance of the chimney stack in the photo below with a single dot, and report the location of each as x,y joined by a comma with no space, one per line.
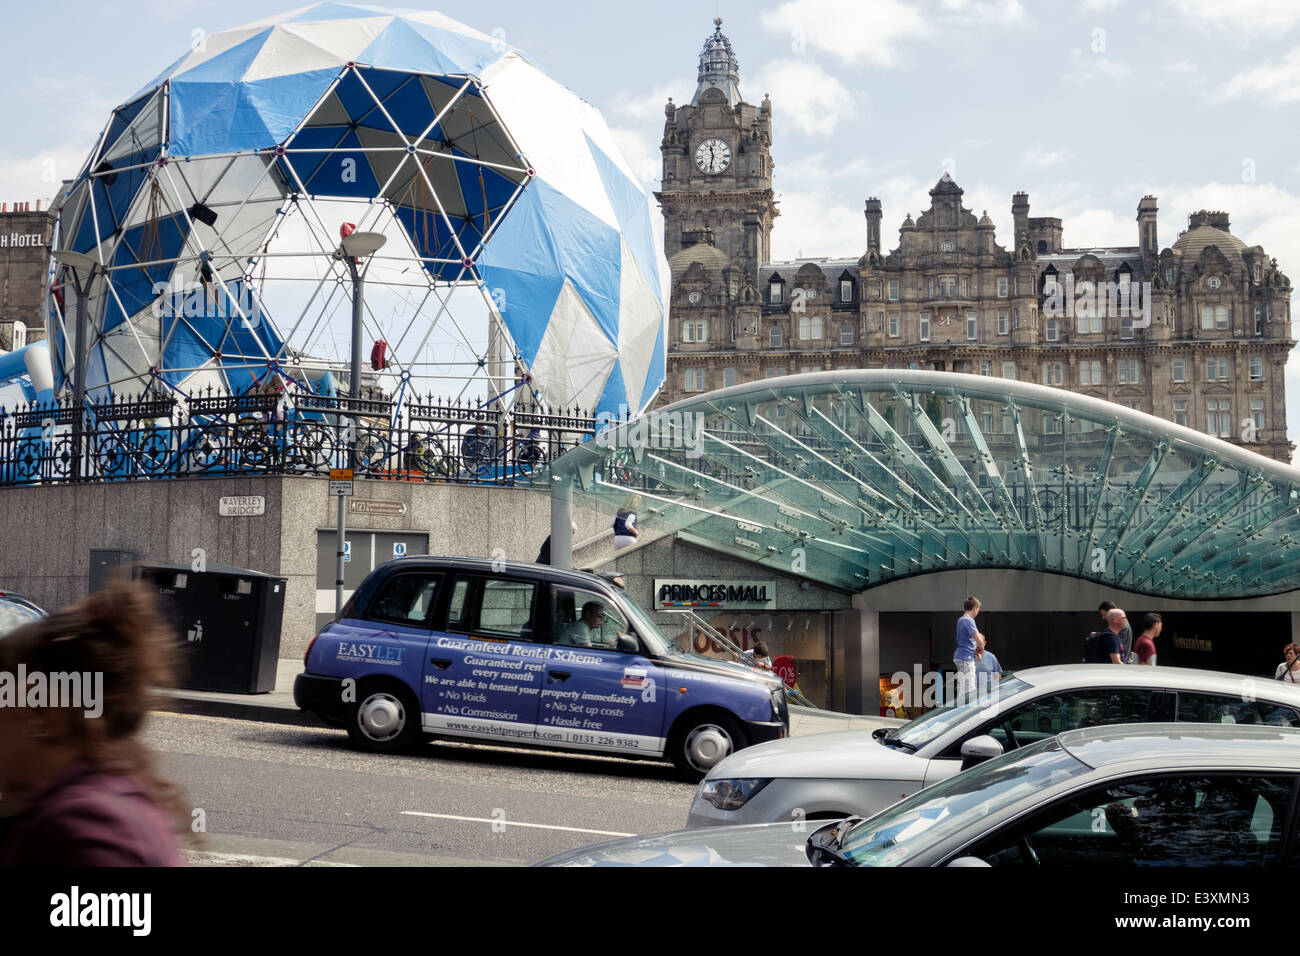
1020,213
873,213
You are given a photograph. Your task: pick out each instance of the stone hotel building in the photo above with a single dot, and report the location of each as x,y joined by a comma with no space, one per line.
1197,332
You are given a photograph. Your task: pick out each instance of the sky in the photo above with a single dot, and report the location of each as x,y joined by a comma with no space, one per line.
1085,105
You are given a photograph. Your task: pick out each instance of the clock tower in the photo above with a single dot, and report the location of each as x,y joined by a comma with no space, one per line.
717,178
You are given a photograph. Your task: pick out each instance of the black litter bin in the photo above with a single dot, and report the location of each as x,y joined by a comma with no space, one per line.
227,622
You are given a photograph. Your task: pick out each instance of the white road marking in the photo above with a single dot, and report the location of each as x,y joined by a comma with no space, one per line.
207,858
513,823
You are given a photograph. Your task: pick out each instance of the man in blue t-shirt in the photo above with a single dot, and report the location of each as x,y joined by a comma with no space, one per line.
970,644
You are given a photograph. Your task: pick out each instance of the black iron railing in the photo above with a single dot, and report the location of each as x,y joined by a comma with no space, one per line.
266,434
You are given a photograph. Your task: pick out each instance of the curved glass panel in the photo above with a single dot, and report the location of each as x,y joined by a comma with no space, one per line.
854,478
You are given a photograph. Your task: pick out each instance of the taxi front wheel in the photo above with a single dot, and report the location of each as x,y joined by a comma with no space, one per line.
703,741
384,718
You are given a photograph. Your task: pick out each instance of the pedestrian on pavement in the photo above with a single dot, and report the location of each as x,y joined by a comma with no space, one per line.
544,555
77,783
625,530
1289,669
1103,647
1125,636
970,642
759,656
988,669
1145,646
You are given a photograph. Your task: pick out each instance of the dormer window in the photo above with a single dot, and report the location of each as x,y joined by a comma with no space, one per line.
775,292
846,290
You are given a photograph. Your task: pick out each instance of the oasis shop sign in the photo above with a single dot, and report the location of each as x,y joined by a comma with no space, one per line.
673,593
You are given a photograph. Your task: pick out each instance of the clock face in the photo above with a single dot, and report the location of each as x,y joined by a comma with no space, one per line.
713,156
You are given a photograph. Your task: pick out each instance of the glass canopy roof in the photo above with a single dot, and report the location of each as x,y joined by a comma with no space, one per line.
855,478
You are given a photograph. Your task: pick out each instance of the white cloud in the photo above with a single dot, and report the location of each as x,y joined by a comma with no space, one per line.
851,30
1100,6
1182,66
1002,11
1084,68
39,175
1279,83
649,108
1045,157
1250,18
813,167
814,101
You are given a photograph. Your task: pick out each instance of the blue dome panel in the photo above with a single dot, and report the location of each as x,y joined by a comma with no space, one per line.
633,213
232,117
418,47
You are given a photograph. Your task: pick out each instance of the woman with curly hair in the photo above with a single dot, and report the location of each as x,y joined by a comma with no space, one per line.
77,785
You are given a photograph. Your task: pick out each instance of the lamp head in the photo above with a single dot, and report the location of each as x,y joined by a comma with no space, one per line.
359,245
74,260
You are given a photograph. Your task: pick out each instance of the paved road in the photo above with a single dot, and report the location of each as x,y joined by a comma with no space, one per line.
282,795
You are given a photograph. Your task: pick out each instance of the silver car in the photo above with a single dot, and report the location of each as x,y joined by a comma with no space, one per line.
858,773
1148,795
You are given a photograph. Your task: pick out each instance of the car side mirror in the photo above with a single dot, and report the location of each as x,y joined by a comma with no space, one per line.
979,749
627,644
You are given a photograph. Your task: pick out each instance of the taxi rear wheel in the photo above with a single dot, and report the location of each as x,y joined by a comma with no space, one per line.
701,742
384,718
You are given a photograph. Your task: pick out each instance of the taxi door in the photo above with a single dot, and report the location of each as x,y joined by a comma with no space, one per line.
595,696
483,671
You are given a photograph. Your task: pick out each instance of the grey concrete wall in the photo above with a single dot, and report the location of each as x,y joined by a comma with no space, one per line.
46,532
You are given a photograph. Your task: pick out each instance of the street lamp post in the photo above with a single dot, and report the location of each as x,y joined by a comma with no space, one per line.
354,247
79,262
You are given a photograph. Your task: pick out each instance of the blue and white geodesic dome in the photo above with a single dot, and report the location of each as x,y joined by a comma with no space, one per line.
519,243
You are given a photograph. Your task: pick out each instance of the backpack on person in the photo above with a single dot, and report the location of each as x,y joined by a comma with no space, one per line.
1092,653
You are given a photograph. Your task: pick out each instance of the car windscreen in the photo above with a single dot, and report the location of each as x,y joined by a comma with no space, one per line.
921,821
656,643
14,616
916,734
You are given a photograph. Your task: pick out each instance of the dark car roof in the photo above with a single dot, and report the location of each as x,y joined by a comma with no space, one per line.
489,566
1169,746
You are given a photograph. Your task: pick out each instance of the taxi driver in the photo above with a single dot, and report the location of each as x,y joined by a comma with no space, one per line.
585,632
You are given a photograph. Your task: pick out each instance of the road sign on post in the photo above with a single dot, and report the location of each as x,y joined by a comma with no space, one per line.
341,482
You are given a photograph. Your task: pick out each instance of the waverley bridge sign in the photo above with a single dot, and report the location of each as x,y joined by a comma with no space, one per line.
718,595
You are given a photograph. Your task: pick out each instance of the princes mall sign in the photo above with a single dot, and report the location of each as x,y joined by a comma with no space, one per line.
672,594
